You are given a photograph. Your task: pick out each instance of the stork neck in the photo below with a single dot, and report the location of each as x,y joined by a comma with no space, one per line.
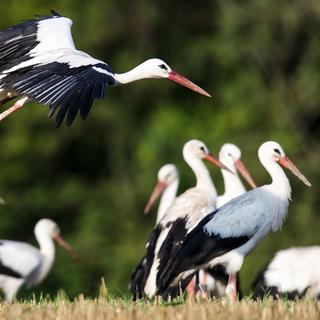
280,183
134,74
47,250
204,181
167,198
232,183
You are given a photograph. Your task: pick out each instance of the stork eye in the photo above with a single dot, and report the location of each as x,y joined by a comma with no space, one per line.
277,151
163,66
202,149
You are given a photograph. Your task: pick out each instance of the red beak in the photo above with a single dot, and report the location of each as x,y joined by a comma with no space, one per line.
176,77
288,164
160,186
65,246
245,173
212,159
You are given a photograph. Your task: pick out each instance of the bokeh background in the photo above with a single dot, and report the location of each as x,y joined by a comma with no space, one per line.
259,59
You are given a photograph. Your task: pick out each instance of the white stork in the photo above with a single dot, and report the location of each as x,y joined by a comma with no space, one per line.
214,281
39,62
185,212
291,273
22,263
231,232
167,186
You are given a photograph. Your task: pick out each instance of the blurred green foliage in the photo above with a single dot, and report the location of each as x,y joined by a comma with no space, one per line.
259,59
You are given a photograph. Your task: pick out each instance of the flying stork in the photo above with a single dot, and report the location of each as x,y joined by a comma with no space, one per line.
213,281
231,232
167,186
291,273
22,263
186,211
39,62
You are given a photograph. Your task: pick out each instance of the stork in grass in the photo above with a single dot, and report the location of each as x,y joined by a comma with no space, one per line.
23,264
292,273
166,187
231,232
185,212
39,62
213,281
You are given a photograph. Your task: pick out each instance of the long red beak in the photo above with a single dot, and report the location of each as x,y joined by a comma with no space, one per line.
176,77
160,186
65,246
245,173
288,164
212,159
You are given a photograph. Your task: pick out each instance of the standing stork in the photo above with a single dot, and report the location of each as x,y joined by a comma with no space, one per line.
185,212
166,187
228,234
291,273
214,281
21,263
39,62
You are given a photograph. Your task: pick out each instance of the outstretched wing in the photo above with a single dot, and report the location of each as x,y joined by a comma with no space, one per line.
38,59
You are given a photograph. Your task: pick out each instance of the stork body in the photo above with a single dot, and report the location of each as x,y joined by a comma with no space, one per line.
39,62
228,234
185,212
291,273
214,281
28,265
167,187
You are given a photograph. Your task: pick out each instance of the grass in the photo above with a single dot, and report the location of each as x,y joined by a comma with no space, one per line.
110,308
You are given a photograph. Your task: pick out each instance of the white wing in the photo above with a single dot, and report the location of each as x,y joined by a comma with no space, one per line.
19,257
38,59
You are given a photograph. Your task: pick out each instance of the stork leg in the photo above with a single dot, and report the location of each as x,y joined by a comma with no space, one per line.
191,287
203,285
231,290
18,104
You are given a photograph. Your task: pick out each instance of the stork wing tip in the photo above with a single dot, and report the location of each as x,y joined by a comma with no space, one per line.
55,13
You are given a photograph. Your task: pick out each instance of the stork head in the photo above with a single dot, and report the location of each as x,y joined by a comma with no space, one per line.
157,68
272,151
197,149
167,175
46,228
230,155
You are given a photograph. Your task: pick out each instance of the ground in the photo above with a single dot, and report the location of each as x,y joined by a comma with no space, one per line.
108,308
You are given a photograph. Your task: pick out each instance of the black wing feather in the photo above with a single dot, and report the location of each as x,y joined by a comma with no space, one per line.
198,248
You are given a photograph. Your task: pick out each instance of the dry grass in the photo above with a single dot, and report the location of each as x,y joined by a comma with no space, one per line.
104,308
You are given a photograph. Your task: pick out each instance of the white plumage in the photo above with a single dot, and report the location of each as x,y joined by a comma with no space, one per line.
230,155
21,263
227,235
291,273
167,187
185,212
39,62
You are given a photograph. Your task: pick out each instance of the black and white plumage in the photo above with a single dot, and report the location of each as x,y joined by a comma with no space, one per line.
291,273
39,62
213,282
228,234
166,187
21,263
185,212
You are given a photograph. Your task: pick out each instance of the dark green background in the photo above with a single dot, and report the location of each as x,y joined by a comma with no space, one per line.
259,60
